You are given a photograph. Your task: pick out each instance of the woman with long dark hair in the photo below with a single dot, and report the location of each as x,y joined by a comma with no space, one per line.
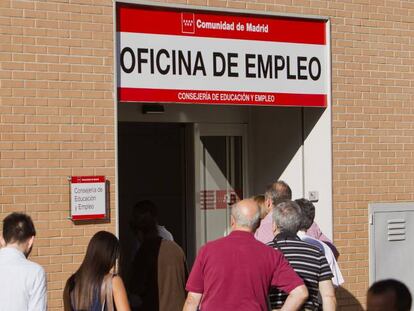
96,285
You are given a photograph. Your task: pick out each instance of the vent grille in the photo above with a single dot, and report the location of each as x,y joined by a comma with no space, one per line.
396,230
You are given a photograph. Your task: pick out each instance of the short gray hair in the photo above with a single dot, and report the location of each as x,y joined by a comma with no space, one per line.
243,220
287,216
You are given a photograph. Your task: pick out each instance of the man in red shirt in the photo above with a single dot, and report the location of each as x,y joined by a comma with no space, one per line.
236,272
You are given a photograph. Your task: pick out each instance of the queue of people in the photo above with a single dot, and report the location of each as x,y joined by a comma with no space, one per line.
275,258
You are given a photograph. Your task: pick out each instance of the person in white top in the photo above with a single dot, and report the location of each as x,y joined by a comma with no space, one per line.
22,282
164,233
308,215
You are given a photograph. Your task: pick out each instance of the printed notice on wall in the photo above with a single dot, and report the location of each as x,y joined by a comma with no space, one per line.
203,57
88,197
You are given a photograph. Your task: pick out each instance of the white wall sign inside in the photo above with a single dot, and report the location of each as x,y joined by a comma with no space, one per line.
182,56
88,197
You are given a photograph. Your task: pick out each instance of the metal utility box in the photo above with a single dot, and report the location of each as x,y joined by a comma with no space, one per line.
391,242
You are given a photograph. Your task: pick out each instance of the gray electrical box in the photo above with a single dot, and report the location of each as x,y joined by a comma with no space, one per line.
391,242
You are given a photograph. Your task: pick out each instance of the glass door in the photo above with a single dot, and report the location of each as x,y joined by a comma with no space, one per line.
220,177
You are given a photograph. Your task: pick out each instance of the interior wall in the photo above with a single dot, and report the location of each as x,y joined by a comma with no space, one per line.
318,164
294,144
276,148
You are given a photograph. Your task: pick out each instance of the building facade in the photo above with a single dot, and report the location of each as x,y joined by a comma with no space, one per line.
60,117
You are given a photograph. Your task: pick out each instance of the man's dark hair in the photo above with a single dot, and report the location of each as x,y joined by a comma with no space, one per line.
18,227
402,293
144,219
278,191
308,213
145,206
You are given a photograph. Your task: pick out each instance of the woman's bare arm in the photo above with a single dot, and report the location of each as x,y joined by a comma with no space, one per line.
120,295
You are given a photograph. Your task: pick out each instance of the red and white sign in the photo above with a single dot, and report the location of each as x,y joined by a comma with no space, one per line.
218,199
188,23
88,197
182,56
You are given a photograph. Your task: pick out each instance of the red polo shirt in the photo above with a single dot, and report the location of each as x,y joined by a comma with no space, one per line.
235,273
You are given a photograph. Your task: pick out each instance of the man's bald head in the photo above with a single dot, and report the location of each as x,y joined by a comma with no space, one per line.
246,215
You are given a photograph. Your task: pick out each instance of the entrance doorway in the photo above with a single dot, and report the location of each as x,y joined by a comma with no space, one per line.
151,166
192,172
